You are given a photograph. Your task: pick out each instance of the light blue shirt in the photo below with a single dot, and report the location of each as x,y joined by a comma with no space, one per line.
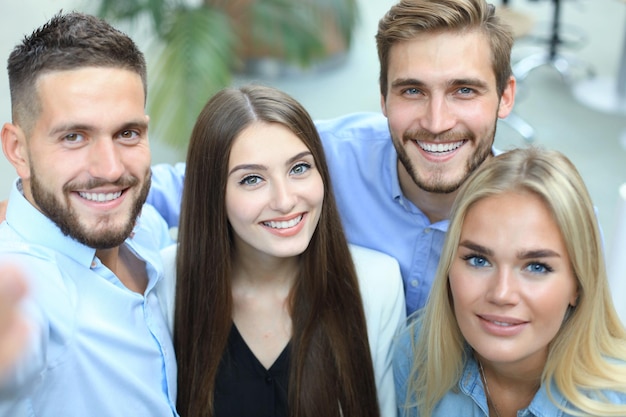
469,399
375,214
96,348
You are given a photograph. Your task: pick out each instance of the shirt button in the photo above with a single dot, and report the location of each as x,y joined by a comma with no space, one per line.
269,380
414,283
427,230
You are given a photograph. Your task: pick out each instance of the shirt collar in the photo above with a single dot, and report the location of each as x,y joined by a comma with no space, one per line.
540,406
391,167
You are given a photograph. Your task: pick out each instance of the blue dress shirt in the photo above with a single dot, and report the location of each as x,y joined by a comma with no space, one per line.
96,348
469,399
375,214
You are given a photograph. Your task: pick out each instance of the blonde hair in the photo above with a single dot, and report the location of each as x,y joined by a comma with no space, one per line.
588,354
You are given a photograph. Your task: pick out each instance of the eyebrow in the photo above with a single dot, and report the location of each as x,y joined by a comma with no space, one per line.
259,167
528,254
76,127
408,82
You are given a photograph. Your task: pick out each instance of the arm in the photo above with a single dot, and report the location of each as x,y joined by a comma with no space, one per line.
166,191
23,329
402,361
13,327
3,209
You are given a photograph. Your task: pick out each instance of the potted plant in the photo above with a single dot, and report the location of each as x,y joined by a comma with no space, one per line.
200,46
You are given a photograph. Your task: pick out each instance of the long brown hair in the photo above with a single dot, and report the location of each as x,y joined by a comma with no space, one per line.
331,372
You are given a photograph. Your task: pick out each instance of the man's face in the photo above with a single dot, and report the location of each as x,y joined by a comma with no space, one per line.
87,157
442,107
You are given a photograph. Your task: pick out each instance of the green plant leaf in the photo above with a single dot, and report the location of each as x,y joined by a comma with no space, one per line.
195,62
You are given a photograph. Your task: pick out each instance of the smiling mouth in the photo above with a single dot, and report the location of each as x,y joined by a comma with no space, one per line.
508,323
284,224
100,197
440,148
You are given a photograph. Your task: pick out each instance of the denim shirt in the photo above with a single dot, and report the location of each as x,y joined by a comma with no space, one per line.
468,399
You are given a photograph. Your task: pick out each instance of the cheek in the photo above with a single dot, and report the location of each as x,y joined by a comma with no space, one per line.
239,208
461,289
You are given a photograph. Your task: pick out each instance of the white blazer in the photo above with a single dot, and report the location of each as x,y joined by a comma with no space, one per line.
382,292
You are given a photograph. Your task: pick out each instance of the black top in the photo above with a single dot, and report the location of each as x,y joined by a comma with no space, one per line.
244,388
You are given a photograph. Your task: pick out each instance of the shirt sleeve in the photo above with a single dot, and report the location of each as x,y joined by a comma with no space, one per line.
402,362
166,191
383,301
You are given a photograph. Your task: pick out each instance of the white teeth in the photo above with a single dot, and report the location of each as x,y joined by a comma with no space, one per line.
440,147
100,197
501,323
283,225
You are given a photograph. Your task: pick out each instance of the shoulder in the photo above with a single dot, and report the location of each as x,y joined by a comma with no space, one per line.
366,125
380,284
153,228
375,269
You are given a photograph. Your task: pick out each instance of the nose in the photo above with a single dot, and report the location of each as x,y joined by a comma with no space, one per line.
105,160
503,288
437,117
283,198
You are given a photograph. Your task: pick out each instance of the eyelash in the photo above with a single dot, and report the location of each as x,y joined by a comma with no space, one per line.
304,165
546,268
245,180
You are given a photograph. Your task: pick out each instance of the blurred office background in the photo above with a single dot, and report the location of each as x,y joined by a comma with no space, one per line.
569,115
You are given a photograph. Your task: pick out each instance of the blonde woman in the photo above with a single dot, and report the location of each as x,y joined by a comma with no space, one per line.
520,320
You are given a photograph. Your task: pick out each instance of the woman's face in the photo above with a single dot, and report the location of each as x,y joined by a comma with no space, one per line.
274,192
511,280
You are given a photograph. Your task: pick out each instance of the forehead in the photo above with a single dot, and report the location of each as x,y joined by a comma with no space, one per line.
442,57
90,80
90,96
512,221
265,143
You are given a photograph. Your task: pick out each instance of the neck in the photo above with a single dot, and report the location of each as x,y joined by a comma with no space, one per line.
264,271
110,258
130,270
436,206
509,388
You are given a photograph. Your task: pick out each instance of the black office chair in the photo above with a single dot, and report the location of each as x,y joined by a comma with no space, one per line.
565,64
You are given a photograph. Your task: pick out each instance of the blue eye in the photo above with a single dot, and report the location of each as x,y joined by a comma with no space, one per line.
300,168
251,180
412,91
538,268
476,261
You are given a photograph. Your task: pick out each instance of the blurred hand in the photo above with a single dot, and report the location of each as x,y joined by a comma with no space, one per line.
3,210
13,326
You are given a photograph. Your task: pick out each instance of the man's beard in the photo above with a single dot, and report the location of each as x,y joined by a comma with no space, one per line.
67,220
436,183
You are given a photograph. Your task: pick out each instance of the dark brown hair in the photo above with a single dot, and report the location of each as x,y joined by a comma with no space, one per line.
331,372
66,42
410,18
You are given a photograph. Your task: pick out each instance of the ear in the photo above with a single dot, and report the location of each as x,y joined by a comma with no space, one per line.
15,149
383,105
508,98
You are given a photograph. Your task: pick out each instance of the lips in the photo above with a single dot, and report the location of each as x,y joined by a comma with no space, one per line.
501,325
